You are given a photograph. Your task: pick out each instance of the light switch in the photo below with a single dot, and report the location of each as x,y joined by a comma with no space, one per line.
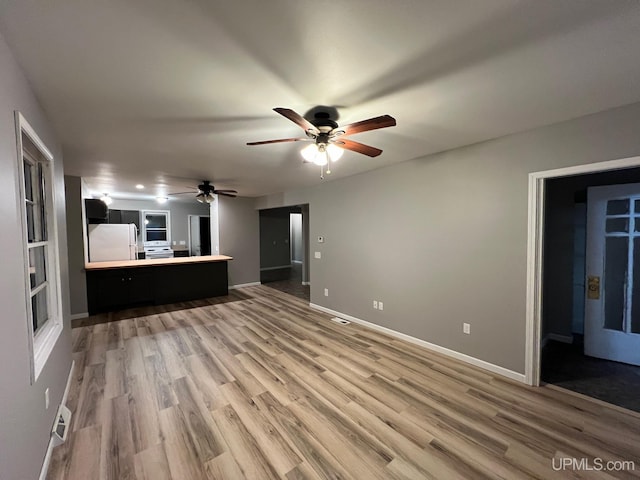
318,255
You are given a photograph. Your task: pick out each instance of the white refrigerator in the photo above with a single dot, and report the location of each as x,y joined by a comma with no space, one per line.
113,241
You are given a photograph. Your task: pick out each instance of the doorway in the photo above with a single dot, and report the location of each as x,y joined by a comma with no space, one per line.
284,249
199,235
564,301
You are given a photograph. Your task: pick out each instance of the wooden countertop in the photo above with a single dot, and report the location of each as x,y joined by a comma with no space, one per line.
155,262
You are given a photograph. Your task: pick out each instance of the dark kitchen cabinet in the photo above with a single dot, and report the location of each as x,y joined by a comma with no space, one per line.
117,288
125,216
95,210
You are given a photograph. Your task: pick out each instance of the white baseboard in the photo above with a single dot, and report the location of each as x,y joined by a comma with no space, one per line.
557,338
299,262
242,285
76,316
47,457
275,268
429,346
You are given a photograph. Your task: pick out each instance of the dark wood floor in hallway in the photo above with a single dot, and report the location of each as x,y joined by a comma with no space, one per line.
258,386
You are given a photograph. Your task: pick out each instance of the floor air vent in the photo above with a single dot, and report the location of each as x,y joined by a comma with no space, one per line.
61,426
341,321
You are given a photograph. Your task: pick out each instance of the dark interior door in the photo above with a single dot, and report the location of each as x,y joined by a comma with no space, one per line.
205,235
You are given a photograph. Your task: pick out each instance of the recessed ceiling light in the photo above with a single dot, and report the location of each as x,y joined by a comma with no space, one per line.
140,186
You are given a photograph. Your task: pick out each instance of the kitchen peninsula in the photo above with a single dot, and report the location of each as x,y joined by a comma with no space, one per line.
128,283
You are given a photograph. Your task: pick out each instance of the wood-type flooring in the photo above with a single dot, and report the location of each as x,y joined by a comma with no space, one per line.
257,385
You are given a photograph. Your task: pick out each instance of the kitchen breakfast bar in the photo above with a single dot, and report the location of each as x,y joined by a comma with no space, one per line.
128,283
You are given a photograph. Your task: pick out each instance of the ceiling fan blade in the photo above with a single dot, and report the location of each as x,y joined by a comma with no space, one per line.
219,192
225,191
357,147
383,121
282,140
298,119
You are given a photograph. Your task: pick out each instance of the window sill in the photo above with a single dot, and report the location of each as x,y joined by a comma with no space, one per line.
43,344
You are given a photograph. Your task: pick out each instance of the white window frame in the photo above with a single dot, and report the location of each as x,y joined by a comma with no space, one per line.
41,342
143,225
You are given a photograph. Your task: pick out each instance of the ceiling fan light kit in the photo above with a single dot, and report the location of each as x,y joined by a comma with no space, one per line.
106,199
205,197
327,137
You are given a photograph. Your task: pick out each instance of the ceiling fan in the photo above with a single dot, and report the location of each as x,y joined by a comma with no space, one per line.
328,138
206,192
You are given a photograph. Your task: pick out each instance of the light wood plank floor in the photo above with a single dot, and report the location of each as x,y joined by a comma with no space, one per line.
259,386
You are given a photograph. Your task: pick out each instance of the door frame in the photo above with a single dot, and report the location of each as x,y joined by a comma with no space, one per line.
189,231
535,237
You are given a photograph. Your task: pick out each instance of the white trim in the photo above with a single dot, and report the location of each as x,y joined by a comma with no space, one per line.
47,457
275,268
242,285
77,316
298,262
306,283
535,254
429,346
42,342
45,339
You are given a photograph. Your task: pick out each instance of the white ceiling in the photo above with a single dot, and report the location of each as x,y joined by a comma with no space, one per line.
160,92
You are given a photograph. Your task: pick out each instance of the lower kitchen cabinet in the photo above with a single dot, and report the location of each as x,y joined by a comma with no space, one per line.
117,288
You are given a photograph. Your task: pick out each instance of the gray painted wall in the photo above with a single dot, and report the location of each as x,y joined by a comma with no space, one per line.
240,238
180,212
25,424
442,240
275,249
77,277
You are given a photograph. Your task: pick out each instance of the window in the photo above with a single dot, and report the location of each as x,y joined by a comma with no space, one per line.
156,226
43,300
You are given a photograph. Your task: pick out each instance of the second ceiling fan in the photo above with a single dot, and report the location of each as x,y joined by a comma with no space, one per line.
328,137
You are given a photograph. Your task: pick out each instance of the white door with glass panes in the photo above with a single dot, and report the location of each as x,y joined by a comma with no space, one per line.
612,305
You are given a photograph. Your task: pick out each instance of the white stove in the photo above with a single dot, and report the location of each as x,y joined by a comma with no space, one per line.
157,249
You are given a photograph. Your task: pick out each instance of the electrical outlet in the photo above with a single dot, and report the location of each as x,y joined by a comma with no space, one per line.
375,304
466,328
380,306
318,255
46,399
183,242
326,292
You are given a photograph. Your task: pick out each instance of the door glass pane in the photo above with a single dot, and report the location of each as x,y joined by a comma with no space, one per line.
637,226
37,267
635,305
615,275
156,221
637,206
617,225
39,308
618,207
